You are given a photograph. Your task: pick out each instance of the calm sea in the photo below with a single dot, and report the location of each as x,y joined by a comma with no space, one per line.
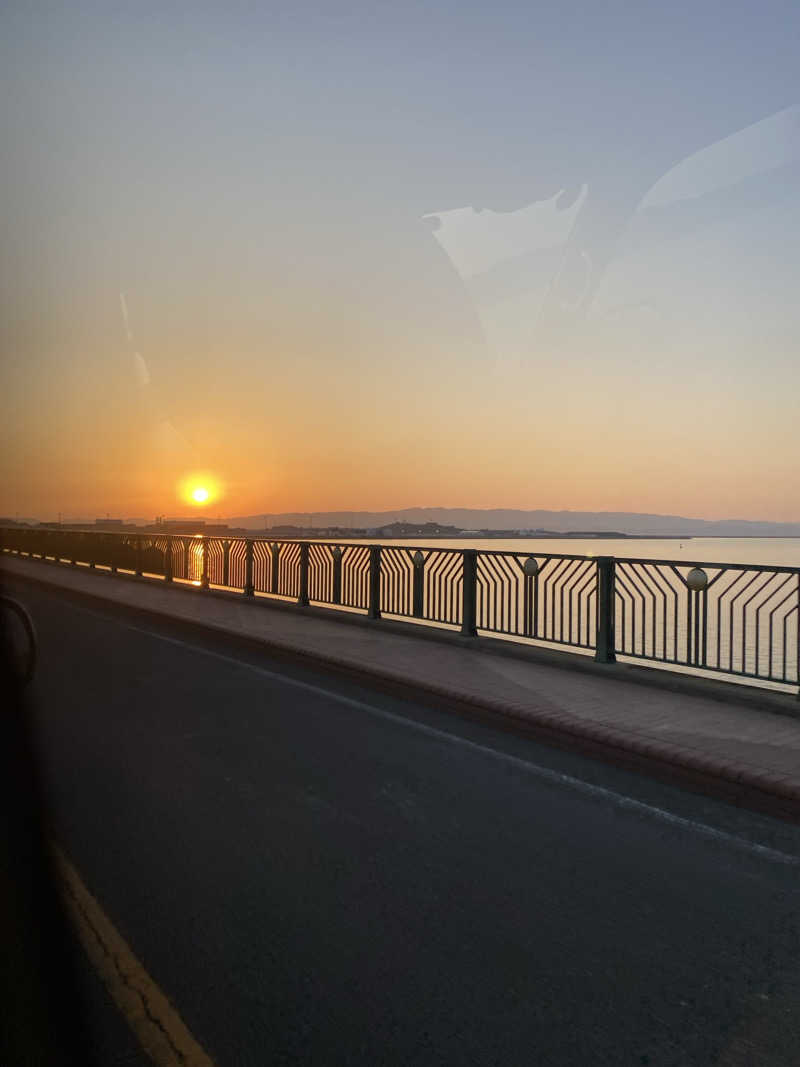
777,551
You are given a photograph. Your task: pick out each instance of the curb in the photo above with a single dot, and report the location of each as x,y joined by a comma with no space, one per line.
774,795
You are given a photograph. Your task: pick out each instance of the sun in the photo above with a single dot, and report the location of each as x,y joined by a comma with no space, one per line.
200,488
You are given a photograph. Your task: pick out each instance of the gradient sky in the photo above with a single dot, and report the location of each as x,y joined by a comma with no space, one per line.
376,255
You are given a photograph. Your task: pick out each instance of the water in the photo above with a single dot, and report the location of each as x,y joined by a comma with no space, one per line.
764,551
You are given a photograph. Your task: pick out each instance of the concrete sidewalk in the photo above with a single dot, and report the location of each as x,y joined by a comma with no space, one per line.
736,743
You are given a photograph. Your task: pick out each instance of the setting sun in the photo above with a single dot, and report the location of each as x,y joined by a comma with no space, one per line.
200,488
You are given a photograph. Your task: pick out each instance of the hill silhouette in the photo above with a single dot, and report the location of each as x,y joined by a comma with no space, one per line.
633,523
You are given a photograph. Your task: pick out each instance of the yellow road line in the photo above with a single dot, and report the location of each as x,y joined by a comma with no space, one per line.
160,1030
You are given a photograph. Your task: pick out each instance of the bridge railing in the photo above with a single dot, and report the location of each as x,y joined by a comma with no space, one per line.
729,619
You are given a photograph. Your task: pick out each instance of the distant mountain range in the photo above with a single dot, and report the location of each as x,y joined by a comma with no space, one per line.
626,522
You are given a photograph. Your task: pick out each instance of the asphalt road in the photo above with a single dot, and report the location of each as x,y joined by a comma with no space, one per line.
318,874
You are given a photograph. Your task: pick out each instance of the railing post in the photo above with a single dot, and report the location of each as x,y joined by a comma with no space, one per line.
530,597
418,585
275,552
204,575
605,651
336,592
168,560
249,588
374,610
226,563
469,593
138,555
302,599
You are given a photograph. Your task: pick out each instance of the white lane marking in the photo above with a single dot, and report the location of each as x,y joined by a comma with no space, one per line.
618,800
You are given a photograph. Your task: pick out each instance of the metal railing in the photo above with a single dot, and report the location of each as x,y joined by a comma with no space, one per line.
730,619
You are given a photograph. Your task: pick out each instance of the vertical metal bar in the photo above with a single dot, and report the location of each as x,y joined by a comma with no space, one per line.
605,650
527,604
139,555
579,614
469,593
168,560
249,589
704,608
561,612
204,575
302,599
374,611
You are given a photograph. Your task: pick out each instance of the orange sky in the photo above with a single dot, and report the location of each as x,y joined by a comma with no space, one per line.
540,274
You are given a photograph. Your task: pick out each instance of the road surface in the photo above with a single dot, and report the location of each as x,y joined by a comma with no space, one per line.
317,874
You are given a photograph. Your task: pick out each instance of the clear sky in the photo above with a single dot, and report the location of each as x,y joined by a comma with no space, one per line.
375,255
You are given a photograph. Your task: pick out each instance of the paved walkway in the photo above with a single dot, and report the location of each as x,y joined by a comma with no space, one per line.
744,752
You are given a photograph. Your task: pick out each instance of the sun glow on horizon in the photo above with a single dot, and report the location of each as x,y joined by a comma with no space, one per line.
200,495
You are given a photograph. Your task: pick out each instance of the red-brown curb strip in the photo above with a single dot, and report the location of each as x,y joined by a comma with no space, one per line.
775,794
